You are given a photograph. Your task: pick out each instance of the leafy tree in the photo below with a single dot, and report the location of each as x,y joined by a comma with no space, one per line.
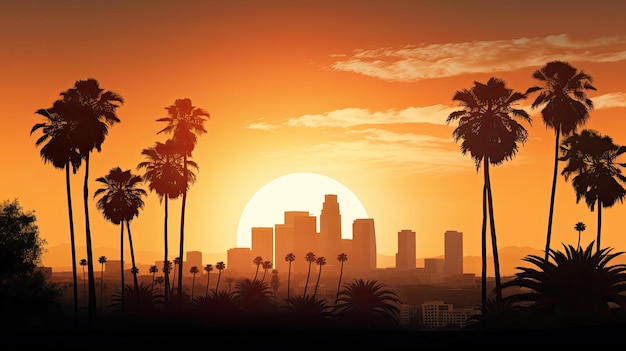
307,312
563,95
57,148
26,298
186,122
367,304
253,296
490,133
593,158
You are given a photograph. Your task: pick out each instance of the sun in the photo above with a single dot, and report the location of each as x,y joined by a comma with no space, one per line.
297,192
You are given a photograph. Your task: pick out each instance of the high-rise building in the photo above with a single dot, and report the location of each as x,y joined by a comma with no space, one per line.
284,245
330,229
305,240
406,256
453,253
263,243
194,258
239,260
363,244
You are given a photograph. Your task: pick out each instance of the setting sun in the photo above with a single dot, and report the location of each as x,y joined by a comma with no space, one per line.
297,192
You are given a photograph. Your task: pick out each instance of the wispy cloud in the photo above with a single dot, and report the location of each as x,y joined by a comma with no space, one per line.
262,126
609,100
413,63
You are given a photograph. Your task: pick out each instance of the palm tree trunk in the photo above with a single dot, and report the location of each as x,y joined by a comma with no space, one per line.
132,258
483,238
182,237
552,195
599,225
208,278
307,280
92,309
494,245
219,277
339,282
166,271
122,263
72,240
288,280
319,274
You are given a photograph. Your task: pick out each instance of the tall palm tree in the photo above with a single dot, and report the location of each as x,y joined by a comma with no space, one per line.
342,257
490,134
176,264
185,121
566,107
258,261
153,270
84,263
579,227
266,266
320,261
193,270
120,200
220,266
593,158
290,257
57,149
165,174
310,257
167,267
102,260
208,268
92,110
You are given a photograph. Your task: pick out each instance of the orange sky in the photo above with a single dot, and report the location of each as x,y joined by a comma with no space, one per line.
355,90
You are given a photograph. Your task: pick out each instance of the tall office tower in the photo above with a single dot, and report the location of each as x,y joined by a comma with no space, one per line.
263,243
239,260
406,256
305,240
363,244
283,245
194,258
453,253
330,230
290,215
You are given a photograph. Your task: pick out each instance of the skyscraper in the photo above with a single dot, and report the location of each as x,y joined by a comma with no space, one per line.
283,245
363,244
263,243
405,258
453,253
330,229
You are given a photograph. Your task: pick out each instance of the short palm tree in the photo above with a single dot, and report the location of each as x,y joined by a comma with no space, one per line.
153,270
193,270
83,263
120,200
275,282
102,260
563,95
309,257
258,261
579,227
165,173
185,122
267,265
176,264
342,257
307,311
253,296
208,268
320,261
57,148
289,258
220,266
160,280
579,287
367,304
598,179
491,134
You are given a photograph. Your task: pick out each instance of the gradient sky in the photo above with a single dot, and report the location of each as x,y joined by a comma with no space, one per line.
355,90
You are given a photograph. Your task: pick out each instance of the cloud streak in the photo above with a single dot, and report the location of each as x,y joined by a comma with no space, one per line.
414,63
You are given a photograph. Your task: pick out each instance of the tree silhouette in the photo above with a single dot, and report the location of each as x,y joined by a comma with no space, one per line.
310,257
57,139
208,268
579,227
593,158
342,257
83,263
220,266
289,258
193,270
185,121
153,270
367,304
566,107
258,261
320,261
266,266
102,260
490,135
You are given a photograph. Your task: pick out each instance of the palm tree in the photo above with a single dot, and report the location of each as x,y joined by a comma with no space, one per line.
58,150
165,174
253,296
289,258
208,268
307,312
120,200
566,107
275,282
230,281
367,304
83,263
559,293
220,266
176,264
321,261
491,135
153,269
342,257
310,257
185,121
193,270
160,280
92,110
258,261
266,266
102,260
167,267
593,158
579,227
